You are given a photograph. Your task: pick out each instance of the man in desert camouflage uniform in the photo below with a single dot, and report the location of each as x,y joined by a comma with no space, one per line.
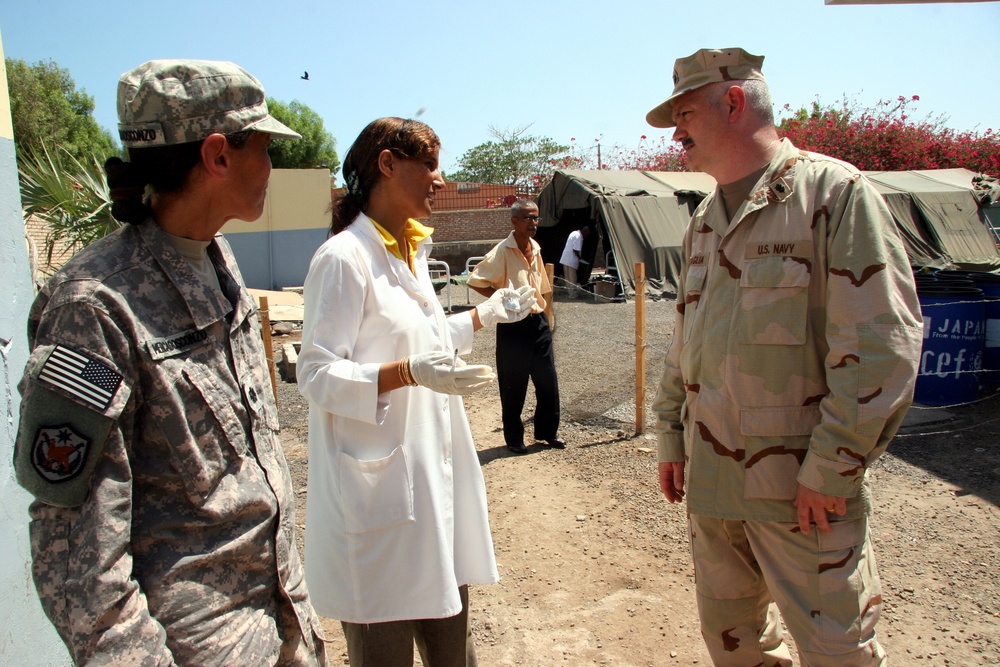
162,530
792,365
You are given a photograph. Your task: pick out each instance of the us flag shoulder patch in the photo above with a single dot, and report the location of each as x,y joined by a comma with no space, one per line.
90,381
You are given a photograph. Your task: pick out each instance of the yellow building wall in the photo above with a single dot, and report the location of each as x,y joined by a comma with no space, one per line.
274,251
296,199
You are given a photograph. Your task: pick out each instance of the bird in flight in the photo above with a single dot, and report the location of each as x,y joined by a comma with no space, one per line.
305,76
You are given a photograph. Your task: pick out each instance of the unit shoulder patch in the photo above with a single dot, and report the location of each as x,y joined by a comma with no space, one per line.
70,402
59,453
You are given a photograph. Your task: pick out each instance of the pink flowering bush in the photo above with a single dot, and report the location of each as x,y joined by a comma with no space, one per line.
885,138
657,155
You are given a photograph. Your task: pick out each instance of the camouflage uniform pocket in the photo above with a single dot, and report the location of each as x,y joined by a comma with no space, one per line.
885,379
777,439
50,553
694,284
62,433
774,304
849,590
205,437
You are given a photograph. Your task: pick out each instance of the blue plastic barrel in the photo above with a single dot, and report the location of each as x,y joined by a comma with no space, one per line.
946,274
954,278
952,352
990,284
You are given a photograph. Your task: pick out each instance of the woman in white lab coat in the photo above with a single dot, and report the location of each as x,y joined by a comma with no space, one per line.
396,519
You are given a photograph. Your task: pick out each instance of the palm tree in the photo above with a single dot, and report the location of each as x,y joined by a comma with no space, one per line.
71,196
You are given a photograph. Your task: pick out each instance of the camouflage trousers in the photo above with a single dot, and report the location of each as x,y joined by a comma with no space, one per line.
826,587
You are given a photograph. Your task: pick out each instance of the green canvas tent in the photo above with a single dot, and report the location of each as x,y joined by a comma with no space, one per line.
642,213
939,217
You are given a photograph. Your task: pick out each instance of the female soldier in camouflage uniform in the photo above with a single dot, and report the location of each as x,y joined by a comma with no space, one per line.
162,530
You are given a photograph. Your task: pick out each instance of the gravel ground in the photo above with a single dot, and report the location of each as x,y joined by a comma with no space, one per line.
595,566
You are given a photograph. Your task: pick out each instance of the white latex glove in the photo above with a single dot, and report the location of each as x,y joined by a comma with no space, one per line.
507,305
446,374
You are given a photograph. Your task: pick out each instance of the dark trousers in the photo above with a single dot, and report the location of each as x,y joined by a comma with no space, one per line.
442,642
524,351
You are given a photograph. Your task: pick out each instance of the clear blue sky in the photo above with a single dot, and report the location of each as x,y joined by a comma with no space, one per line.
573,69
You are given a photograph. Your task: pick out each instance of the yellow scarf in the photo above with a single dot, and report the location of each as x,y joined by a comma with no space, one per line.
413,233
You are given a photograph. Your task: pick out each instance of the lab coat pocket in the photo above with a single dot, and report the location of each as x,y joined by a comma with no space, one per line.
376,493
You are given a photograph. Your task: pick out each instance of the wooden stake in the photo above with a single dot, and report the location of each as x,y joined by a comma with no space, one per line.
265,331
550,271
640,348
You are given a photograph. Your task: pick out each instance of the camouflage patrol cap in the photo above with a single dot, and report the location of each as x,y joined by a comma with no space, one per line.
165,102
702,68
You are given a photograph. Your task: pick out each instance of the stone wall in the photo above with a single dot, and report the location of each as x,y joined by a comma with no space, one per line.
471,225
43,265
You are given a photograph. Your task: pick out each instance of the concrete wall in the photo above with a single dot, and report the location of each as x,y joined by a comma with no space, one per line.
26,636
274,251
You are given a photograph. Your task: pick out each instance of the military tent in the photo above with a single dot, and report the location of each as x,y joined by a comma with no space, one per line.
642,215
939,217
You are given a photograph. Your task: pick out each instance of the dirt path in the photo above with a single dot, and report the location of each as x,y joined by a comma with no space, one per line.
594,565
582,577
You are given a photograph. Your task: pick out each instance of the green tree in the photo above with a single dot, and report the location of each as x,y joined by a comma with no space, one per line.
316,148
515,158
48,110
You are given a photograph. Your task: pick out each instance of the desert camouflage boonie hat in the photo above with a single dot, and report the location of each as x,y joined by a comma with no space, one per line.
166,102
702,68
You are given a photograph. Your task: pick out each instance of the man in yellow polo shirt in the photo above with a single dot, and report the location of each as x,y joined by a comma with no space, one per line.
524,349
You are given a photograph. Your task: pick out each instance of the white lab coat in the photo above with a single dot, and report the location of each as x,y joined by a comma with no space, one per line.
396,516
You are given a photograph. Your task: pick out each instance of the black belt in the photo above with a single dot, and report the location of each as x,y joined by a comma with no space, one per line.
521,321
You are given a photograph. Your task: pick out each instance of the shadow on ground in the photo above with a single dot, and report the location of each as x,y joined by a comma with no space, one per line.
958,444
